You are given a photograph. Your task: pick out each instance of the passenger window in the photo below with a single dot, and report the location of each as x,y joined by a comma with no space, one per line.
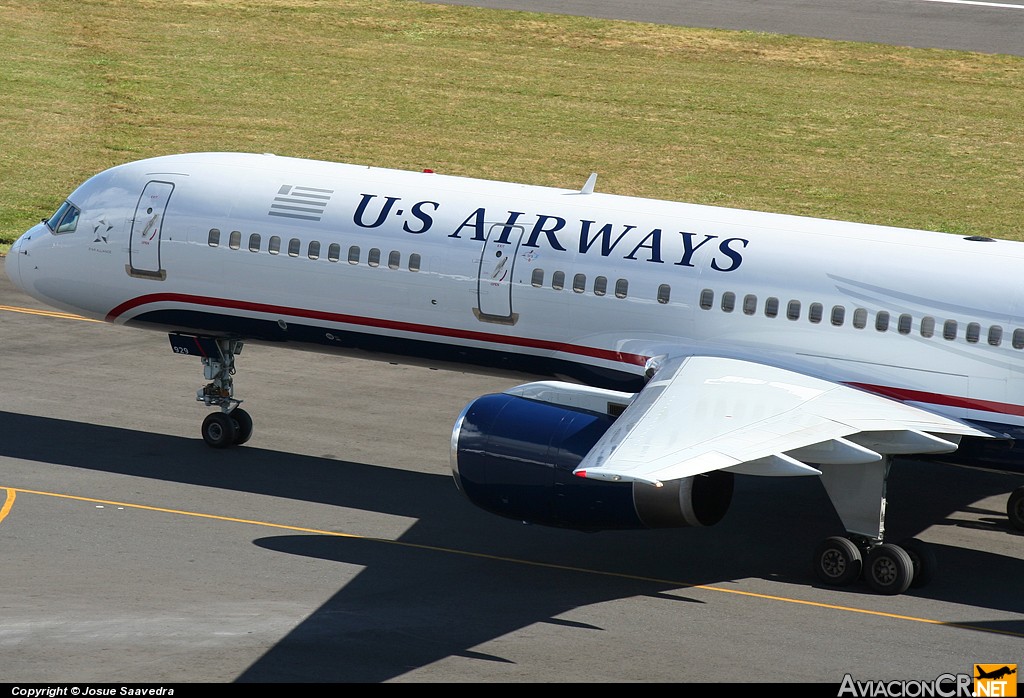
793,310
334,252
664,292
995,335
621,288
373,258
274,246
903,326
579,283
838,315
1018,339
537,279
353,254
815,312
749,304
927,326
949,329
414,262
860,318
293,247
600,286
973,332
707,299
882,321
771,307
254,242
558,280
728,301
394,259
214,239
313,251
235,239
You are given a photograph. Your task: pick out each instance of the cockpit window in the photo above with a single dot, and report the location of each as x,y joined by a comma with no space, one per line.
64,220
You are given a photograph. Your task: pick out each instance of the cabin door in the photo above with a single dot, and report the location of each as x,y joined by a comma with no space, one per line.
144,251
494,282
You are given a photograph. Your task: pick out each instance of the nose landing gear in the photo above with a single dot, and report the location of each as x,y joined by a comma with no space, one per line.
223,429
231,426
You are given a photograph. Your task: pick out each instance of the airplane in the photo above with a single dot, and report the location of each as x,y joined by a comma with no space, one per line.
996,674
668,346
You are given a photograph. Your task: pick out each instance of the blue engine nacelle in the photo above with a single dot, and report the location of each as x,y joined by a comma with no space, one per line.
514,457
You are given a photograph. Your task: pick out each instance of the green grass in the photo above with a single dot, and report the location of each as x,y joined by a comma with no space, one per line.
919,138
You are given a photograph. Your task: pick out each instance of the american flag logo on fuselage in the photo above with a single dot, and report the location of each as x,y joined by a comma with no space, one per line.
304,203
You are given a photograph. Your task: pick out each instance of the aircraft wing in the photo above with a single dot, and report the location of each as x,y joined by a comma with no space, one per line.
699,414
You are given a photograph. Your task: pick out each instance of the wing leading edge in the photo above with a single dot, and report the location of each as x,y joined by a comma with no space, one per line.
700,414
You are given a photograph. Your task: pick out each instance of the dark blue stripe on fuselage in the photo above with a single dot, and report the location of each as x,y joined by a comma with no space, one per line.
1003,455
385,348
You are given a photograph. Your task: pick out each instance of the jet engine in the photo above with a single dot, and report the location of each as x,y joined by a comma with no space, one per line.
514,456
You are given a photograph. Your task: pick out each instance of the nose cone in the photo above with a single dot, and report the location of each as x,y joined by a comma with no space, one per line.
11,264
17,262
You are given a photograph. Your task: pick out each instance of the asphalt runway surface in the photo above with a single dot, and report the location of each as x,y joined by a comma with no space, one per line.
963,25
334,546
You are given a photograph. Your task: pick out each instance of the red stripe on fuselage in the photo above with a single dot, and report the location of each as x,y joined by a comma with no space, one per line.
593,352
907,395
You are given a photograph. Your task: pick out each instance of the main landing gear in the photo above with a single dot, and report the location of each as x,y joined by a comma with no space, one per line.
231,426
858,495
859,498
886,568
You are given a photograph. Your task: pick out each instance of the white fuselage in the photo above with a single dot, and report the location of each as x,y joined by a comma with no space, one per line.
456,271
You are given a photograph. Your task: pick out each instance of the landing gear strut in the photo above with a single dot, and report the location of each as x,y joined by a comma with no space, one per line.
231,426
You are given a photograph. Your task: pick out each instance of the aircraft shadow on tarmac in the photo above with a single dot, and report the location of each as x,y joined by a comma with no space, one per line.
370,631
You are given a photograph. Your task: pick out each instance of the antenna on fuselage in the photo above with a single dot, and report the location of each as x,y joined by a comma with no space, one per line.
588,188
